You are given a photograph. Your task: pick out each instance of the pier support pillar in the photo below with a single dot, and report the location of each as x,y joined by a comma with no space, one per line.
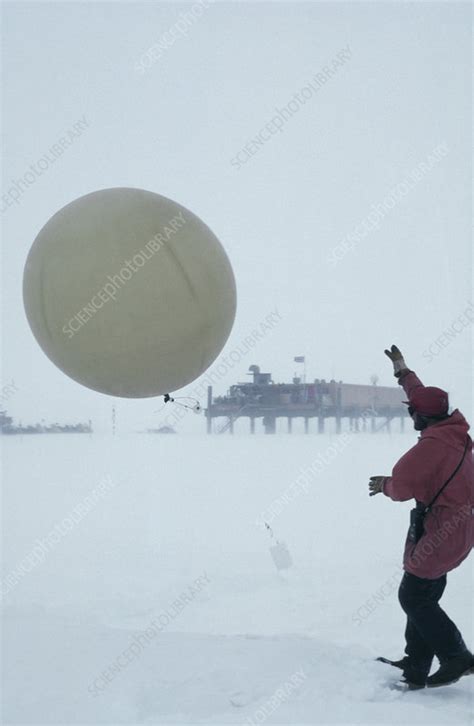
269,423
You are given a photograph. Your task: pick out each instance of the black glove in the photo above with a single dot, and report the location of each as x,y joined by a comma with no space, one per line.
399,365
376,485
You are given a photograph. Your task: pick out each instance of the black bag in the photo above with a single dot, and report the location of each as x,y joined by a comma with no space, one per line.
418,514
417,523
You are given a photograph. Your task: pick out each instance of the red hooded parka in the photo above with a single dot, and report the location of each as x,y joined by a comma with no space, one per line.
419,474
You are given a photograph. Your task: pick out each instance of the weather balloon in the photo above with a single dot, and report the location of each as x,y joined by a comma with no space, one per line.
129,293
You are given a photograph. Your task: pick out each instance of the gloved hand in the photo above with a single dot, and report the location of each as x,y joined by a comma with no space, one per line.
376,485
396,357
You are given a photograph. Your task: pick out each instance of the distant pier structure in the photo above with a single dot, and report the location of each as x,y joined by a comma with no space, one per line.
363,407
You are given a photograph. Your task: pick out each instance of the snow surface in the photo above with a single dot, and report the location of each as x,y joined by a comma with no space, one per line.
250,645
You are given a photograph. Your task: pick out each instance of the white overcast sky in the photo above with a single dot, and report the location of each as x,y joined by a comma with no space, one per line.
174,130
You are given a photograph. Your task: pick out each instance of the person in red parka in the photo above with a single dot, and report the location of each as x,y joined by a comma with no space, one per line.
438,473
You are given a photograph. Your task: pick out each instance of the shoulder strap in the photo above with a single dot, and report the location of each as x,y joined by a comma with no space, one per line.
451,477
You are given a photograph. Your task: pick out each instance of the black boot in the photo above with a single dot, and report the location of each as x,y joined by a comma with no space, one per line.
452,670
404,684
414,677
411,680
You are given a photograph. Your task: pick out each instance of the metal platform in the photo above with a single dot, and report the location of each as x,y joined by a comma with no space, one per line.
364,407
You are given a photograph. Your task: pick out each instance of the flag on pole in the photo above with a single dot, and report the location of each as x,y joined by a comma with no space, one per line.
299,359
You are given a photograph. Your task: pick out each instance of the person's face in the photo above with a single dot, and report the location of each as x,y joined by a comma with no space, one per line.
419,423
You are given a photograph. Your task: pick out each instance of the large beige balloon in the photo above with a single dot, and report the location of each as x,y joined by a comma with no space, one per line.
129,293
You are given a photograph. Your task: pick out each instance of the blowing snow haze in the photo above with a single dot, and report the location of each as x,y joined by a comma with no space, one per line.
325,147
325,144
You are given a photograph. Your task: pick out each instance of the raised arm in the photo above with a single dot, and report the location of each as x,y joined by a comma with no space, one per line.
409,381
399,486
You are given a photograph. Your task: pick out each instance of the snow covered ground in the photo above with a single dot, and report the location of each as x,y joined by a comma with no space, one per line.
138,586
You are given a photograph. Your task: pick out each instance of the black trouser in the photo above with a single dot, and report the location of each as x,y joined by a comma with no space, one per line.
429,631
